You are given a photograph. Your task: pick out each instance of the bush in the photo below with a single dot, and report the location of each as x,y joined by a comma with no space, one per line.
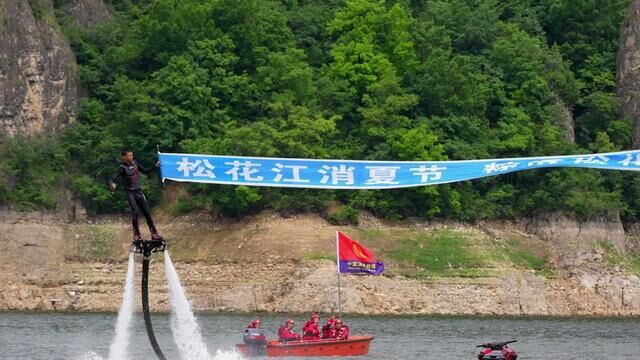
32,171
182,207
346,215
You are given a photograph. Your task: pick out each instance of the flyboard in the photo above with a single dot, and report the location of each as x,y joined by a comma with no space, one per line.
146,248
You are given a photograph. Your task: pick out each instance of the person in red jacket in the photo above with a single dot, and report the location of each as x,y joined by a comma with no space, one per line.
340,331
286,333
310,330
306,323
255,324
255,339
326,328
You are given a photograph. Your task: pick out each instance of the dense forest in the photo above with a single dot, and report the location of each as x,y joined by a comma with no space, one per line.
355,79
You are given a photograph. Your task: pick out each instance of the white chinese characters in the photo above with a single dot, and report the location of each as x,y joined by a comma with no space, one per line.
592,159
202,168
428,173
499,167
295,173
382,175
629,160
243,169
544,162
340,173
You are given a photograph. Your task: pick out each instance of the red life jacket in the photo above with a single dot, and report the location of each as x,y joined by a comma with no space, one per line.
305,325
312,332
340,334
285,334
326,329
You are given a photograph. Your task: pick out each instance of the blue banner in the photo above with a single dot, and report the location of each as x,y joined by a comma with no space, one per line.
352,174
358,267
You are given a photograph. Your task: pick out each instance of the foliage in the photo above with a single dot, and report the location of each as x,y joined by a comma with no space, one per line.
439,252
628,262
39,9
31,172
346,215
356,79
455,253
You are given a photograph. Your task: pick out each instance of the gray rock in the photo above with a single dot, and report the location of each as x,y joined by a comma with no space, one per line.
87,13
574,237
38,86
628,69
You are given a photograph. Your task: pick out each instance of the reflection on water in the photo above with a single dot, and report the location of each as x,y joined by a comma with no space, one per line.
50,336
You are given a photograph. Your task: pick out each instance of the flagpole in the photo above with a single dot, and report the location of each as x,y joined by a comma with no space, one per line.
338,264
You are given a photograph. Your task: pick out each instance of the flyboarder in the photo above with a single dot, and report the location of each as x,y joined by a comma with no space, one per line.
129,170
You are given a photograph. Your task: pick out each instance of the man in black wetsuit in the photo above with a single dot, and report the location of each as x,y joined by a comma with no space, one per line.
129,170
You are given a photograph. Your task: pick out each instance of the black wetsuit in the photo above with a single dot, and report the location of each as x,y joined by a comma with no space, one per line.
137,201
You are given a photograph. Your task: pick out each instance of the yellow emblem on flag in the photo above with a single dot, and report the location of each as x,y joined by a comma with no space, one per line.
357,251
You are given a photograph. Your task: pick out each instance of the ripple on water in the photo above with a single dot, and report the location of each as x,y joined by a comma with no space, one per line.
84,336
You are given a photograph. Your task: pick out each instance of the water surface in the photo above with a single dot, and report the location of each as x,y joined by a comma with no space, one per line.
48,336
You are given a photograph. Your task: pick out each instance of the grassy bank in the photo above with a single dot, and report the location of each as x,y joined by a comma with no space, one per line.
451,253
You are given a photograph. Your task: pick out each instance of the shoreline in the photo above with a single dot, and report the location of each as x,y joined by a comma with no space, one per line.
345,315
265,264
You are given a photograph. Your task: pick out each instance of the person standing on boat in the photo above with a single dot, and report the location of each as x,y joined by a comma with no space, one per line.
286,333
129,171
326,328
340,331
255,339
310,330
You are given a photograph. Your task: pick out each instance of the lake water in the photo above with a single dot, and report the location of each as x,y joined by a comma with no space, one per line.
50,336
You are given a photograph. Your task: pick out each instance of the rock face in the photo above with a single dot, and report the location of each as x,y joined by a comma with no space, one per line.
311,286
48,265
633,237
87,13
575,239
38,86
628,72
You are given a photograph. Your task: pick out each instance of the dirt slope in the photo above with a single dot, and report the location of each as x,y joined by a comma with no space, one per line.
268,263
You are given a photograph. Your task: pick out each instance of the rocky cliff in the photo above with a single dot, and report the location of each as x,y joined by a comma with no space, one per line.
86,13
38,75
628,69
38,82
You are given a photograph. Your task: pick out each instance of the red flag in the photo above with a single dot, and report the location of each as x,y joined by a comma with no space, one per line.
350,249
355,258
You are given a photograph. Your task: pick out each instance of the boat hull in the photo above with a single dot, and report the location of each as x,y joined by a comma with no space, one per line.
353,346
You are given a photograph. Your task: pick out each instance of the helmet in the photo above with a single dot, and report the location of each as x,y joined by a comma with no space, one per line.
255,323
337,321
289,321
315,316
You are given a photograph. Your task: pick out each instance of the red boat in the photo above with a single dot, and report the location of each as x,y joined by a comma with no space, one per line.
354,345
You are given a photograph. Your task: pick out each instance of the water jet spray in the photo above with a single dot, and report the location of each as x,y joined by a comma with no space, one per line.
146,248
